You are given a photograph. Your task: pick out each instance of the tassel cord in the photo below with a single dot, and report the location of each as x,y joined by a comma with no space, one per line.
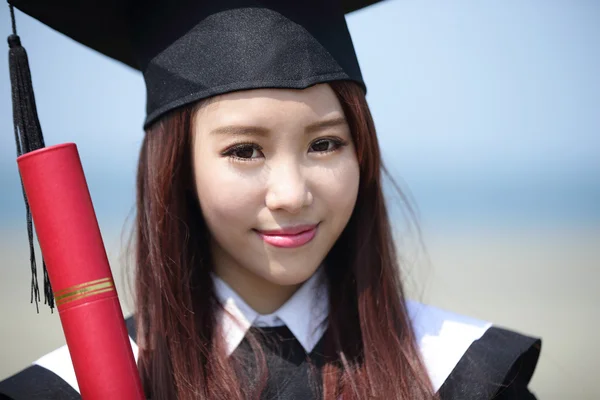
28,137
12,19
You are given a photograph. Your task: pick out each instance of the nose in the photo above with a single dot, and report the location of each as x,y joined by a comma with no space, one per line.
287,189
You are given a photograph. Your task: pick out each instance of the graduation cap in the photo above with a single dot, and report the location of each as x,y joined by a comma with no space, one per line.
188,50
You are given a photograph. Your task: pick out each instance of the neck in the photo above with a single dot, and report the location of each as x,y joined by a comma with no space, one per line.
263,296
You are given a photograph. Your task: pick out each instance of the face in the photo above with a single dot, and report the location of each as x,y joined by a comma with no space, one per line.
277,178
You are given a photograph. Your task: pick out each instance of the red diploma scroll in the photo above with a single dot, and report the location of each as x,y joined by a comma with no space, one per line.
84,290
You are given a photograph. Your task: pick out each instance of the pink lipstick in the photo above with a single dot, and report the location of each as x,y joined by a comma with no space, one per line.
289,237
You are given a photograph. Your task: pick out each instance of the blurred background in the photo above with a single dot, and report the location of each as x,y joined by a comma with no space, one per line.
488,115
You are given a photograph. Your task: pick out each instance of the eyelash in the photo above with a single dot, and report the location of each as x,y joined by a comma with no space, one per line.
230,152
337,144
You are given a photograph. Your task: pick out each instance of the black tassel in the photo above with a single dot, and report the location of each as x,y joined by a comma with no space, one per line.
28,137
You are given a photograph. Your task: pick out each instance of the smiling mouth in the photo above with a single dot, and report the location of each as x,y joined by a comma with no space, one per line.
291,237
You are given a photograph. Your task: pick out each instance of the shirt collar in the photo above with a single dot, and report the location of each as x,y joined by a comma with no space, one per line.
304,313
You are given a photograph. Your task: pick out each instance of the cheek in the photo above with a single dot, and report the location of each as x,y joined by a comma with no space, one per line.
338,189
224,195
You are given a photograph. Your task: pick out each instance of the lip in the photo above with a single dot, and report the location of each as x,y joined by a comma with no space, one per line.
289,237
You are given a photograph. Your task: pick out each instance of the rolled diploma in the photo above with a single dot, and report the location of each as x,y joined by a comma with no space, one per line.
84,290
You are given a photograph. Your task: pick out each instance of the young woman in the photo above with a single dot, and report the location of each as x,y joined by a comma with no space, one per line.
258,206
265,263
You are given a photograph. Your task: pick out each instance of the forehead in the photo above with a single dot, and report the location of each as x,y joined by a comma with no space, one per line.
270,105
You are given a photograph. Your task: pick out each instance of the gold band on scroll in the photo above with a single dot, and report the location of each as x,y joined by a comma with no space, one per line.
83,290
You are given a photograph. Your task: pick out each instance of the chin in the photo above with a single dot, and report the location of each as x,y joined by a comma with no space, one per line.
290,275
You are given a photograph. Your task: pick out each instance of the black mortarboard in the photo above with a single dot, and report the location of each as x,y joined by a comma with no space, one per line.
188,50
191,49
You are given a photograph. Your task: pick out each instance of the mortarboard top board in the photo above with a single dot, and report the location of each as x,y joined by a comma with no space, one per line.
188,50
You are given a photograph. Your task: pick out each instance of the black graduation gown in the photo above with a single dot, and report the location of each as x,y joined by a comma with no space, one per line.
498,365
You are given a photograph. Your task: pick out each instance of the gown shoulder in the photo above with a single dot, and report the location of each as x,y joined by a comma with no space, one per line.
51,377
470,359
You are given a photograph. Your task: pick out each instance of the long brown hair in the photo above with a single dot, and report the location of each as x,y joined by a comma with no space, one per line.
369,345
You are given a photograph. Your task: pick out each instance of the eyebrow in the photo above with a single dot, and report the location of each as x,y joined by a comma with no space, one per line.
244,130
329,123
240,130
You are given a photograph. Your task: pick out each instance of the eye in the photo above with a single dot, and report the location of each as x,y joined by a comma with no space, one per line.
326,145
243,152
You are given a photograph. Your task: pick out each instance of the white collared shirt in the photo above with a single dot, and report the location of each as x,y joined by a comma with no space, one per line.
304,314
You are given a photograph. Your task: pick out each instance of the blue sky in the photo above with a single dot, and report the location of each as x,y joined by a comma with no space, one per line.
484,109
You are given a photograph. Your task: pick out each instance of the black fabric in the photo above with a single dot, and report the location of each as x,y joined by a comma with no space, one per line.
131,328
292,373
244,44
497,366
36,383
189,50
